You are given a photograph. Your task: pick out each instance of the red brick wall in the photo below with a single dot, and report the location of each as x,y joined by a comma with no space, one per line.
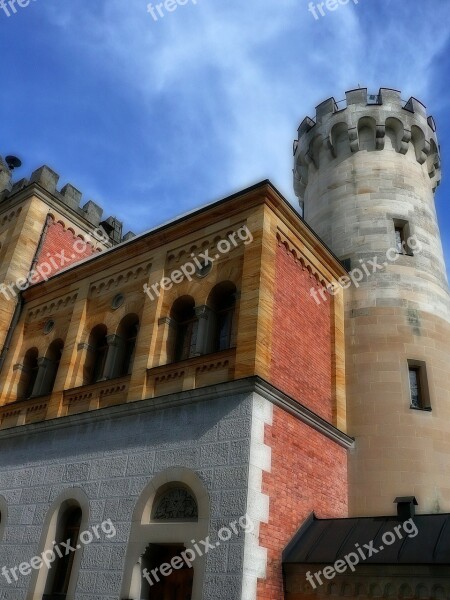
60,249
302,342
309,473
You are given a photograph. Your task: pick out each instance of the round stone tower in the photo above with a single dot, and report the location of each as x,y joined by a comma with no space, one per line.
365,174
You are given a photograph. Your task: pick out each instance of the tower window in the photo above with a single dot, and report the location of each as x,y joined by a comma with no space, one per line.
418,386
402,235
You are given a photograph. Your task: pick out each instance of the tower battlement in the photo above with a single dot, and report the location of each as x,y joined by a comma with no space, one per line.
369,122
68,196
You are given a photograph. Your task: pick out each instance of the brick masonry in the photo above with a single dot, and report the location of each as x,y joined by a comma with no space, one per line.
308,473
301,354
60,249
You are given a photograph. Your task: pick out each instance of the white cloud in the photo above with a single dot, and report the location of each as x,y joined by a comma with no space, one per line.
246,73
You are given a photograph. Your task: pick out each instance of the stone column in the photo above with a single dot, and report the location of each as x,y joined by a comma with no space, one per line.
205,320
112,358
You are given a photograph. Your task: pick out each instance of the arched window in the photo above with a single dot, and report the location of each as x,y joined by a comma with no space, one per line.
185,328
127,334
222,302
50,367
30,369
67,531
97,354
172,512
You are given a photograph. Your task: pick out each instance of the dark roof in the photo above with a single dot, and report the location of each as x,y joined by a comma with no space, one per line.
323,541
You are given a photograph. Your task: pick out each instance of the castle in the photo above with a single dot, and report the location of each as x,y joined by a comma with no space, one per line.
264,394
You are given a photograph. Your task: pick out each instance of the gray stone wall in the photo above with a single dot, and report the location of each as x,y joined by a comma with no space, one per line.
112,455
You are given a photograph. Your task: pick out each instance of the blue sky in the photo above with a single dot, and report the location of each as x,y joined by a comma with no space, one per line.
154,118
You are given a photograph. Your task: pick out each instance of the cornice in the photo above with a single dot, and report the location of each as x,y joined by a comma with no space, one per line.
216,392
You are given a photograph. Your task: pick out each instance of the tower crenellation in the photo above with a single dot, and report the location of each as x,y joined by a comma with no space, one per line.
68,196
386,114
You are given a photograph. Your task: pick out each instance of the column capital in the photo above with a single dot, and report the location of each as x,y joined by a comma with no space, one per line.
85,346
166,321
202,312
113,339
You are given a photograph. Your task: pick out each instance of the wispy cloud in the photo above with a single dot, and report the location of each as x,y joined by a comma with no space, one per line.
208,99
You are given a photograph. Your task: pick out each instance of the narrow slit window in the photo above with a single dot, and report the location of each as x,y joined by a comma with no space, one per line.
414,384
402,236
418,386
400,239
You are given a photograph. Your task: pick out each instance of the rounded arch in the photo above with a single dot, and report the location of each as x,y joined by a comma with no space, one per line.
433,161
367,131
184,327
419,143
315,150
394,133
3,515
127,332
172,476
182,307
222,322
146,532
340,140
128,321
174,501
49,367
438,592
55,349
73,498
29,374
95,363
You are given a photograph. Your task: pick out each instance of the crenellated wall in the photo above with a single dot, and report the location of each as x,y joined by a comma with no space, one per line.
68,196
42,231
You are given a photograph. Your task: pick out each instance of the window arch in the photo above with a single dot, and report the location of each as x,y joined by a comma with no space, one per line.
367,133
222,302
185,327
66,518
173,510
127,333
28,378
50,367
67,530
419,143
340,140
394,134
97,354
